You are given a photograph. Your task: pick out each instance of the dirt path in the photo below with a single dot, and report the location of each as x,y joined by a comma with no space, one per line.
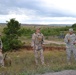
28,47
54,42
66,72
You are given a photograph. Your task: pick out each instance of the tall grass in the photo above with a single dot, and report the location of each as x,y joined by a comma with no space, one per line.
23,63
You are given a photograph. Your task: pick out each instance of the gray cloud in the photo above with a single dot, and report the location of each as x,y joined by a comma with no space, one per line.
7,5
13,5
32,9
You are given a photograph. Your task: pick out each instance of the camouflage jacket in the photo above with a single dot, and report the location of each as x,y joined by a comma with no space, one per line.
37,40
72,39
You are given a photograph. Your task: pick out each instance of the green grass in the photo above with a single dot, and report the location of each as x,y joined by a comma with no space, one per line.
23,63
1,28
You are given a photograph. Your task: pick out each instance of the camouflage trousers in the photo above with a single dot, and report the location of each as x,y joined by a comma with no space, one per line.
39,54
69,52
1,60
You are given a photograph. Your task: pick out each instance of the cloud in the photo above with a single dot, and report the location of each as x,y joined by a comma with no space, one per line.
38,20
66,7
38,11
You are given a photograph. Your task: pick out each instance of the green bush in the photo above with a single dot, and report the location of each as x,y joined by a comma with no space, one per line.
74,25
46,31
11,33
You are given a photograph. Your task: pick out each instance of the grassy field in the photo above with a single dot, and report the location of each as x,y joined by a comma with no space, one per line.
1,28
23,63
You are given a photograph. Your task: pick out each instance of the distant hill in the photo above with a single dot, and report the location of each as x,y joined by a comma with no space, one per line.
42,24
2,23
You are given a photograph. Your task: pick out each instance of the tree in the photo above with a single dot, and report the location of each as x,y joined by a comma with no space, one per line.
74,25
11,34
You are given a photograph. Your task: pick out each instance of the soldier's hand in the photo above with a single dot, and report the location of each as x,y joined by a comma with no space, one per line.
74,43
42,45
68,40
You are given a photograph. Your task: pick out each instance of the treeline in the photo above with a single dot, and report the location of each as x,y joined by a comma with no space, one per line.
47,31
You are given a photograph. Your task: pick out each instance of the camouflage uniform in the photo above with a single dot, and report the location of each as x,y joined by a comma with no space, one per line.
1,45
70,46
37,41
1,59
1,55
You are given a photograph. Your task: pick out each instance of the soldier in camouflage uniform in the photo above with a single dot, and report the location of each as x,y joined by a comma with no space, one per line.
1,55
70,40
37,44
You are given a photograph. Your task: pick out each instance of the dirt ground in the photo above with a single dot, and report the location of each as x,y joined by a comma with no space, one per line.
66,72
54,42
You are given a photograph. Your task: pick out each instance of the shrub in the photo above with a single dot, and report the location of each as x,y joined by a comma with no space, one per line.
11,33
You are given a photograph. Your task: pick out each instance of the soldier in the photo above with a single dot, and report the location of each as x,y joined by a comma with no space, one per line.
70,40
1,59
37,44
1,55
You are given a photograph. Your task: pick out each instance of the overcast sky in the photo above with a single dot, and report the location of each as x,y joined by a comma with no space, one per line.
39,11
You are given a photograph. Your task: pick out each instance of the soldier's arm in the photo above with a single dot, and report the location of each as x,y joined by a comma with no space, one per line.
33,40
1,44
75,39
66,39
43,39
